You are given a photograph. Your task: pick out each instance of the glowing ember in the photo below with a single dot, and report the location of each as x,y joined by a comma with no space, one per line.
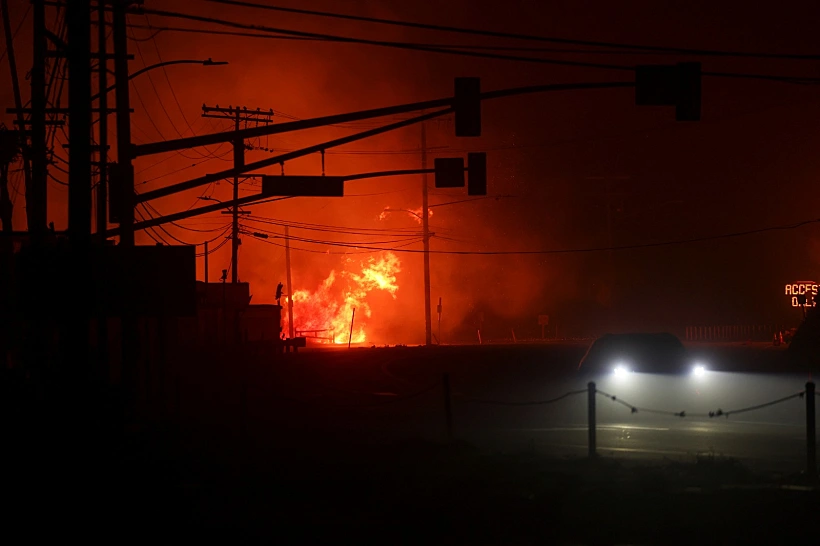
328,310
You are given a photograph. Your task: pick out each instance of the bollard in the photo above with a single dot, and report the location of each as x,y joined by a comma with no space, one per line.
591,414
448,406
811,441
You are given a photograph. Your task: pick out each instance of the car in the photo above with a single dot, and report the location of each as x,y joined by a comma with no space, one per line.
651,353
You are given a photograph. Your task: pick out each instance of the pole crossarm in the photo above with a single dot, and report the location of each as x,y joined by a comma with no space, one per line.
229,173
254,132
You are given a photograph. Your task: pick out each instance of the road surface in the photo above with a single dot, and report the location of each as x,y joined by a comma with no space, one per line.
499,396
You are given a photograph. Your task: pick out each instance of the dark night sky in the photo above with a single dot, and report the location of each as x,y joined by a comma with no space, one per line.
750,163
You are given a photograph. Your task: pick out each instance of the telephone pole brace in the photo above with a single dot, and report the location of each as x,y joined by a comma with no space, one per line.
238,115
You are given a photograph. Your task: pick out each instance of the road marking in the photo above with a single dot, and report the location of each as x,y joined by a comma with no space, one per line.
584,428
625,449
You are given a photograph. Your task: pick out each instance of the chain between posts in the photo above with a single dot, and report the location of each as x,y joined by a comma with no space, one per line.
716,413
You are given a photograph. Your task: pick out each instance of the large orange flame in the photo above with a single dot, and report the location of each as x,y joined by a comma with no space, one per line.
326,312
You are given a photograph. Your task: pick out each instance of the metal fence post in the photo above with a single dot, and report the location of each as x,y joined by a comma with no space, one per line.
448,406
591,416
811,441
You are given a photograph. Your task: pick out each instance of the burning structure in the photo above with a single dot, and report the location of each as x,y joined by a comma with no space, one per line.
326,313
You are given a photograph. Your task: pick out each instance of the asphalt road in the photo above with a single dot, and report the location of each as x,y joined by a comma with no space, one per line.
502,401
350,447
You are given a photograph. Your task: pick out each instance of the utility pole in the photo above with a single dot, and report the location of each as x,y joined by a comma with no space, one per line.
102,78
123,179
290,286
439,320
125,168
238,161
18,103
102,177
78,24
425,215
36,193
76,328
239,115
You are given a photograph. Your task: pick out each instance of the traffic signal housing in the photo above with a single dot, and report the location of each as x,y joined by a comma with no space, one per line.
477,173
670,85
467,106
449,172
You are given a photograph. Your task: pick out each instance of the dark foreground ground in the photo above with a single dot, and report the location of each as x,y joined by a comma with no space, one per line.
352,447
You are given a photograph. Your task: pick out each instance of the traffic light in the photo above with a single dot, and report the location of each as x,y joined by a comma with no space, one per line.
279,292
670,85
467,106
449,172
688,103
477,173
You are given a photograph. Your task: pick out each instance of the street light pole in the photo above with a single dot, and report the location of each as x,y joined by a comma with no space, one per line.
205,62
425,214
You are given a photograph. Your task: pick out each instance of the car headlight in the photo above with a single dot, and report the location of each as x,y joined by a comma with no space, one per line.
620,370
699,370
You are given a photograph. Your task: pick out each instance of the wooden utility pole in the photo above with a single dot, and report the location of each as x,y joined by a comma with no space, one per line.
425,214
102,80
290,287
125,168
238,115
78,24
102,177
18,103
36,192
439,319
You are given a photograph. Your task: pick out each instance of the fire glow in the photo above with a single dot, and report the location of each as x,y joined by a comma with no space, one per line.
415,214
327,311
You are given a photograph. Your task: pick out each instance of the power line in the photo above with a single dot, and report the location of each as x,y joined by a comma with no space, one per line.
475,54
14,34
496,197
167,114
159,29
607,248
162,228
528,37
211,153
333,229
364,244
369,251
397,45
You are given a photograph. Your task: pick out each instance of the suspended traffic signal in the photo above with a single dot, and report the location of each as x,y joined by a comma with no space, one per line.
477,173
688,103
467,106
449,172
670,85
